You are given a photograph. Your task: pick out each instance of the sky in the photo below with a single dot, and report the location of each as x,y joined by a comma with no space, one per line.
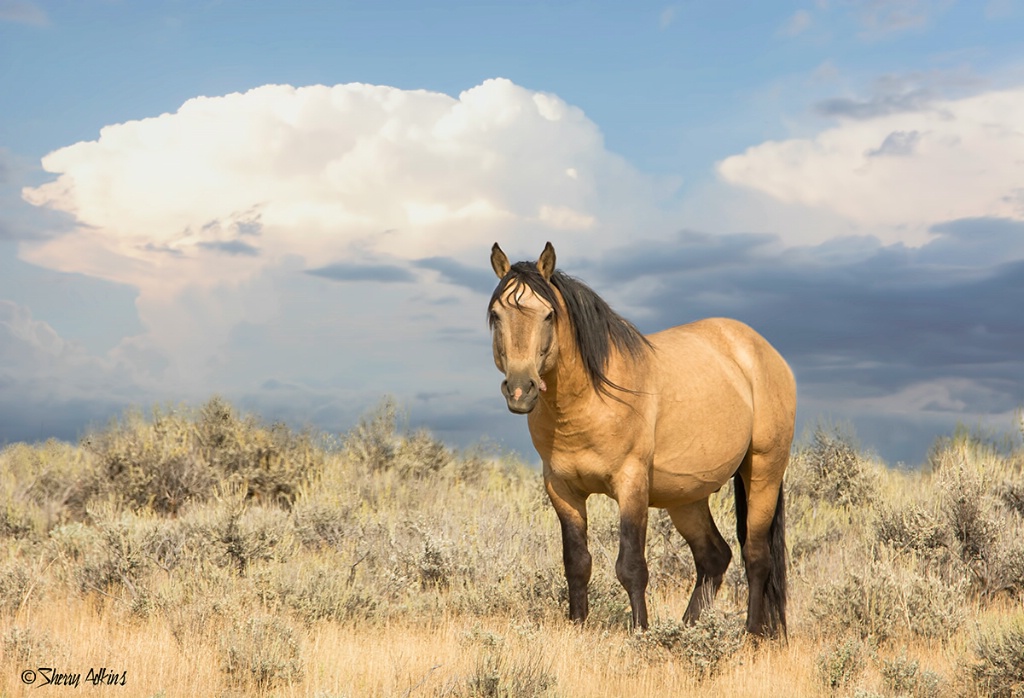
292,204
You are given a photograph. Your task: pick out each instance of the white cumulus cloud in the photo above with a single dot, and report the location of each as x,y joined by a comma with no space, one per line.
227,183
897,174
208,210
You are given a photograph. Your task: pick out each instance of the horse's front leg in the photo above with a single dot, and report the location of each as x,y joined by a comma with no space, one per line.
571,508
631,565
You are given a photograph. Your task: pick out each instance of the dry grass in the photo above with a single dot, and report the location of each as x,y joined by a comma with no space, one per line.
203,552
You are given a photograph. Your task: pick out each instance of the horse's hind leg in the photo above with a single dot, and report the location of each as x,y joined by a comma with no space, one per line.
763,541
711,554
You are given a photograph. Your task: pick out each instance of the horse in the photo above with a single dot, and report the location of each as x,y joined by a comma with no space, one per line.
662,421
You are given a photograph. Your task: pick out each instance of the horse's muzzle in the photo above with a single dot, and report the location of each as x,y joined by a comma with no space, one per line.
521,394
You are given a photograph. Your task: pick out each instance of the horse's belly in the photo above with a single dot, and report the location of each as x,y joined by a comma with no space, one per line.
693,476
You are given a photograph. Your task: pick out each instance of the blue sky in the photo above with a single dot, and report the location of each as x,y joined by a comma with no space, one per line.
292,204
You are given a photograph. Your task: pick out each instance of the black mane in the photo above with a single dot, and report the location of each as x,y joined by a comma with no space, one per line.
596,327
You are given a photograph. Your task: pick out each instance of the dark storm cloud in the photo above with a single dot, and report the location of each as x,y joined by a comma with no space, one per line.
855,318
690,251
899,93
481,280
897,143
67,420
875,106
344,271
975,242
855,297
253,228
235,248
896,306
163,249
427,396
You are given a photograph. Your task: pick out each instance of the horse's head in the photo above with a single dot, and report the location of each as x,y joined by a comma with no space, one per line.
522,315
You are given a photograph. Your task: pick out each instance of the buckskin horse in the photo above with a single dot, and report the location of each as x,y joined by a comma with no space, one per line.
658,421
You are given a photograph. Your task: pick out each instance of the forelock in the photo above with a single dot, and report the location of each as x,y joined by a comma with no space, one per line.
521,279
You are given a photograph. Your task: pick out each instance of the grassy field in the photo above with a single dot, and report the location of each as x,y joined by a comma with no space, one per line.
198,551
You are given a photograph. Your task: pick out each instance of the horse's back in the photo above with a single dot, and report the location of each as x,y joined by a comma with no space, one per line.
734,343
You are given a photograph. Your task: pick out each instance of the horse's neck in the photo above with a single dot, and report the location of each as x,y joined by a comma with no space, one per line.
568,383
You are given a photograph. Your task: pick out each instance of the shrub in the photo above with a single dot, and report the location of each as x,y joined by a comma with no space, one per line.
503,675
253,534
39,484
930,685
318,523
912,529
322,591
194,606
830,469
16,583
261,653
273,462
900,674
1007,572
372,443
150,464
998,663
968,513
840,663
110,555
705,645
419,454
1012,495
15,520
866,603
30,647
183,456
668,556
886,600
376,445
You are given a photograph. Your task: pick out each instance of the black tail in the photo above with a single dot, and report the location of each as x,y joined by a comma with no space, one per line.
775,594
775,590
741,509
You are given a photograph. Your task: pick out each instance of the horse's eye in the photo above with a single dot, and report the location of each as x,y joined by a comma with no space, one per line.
550,316
493,317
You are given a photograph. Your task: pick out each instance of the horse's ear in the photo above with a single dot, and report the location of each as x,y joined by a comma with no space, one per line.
546,262
499,262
